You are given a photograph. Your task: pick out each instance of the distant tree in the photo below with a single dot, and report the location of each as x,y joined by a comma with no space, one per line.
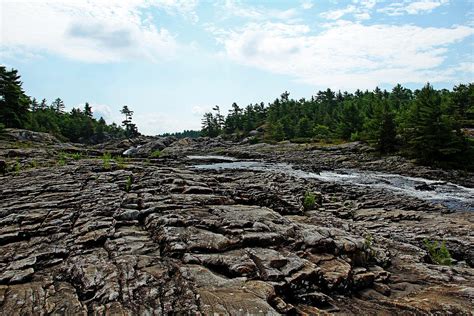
34,105
130,128
58,105
88,110
304,128
43,105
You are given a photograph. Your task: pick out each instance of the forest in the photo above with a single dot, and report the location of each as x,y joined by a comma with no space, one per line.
427,124
18,110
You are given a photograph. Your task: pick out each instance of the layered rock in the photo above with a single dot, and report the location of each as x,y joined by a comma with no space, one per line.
159,237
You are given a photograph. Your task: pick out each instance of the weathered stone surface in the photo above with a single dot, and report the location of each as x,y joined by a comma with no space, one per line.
75,240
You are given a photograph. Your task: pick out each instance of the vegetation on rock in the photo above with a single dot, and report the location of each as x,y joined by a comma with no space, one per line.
438,253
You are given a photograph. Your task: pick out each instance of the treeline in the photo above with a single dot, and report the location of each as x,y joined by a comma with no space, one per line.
183,134
426,124
18,110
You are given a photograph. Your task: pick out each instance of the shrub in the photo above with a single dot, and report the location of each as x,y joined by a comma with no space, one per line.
17,167
76,156
121,162
106,157
309,201
438,253
128,184
62,159
155,154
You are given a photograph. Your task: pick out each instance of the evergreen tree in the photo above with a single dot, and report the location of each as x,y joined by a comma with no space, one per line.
431,134
130,128
58,105
88,110
14,103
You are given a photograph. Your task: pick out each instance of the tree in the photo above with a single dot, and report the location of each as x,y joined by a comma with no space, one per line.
304,128
432,135
88,110
130,128
58,105
277,132
14,103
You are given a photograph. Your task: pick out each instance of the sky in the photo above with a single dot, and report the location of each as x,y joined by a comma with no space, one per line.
171,61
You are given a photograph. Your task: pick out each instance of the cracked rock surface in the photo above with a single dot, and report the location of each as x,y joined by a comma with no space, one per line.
159,237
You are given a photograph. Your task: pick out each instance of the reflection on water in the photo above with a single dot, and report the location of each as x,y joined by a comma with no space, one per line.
449,194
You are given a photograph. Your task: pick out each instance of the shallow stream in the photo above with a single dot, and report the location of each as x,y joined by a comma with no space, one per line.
449,194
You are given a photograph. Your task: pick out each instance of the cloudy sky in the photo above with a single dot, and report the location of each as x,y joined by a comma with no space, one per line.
172,60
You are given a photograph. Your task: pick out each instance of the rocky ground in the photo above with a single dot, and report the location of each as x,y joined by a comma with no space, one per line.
81,234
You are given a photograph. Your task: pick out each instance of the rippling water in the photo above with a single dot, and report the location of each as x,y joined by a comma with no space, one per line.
449,194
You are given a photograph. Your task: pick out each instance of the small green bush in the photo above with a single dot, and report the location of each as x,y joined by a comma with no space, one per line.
155,154
106,158
17,167
254,140
62,159
438,253
128,184
76,156
121,162
369,245
309,201
34,164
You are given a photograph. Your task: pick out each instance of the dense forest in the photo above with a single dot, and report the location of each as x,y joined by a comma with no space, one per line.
18,110
428,124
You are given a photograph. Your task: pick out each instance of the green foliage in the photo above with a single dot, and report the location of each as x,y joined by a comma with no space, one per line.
438,253
155,154
432,133
17,167
121,162
14,103
19,111
76,156
62,159
128,184
309,201
424,124
321,132
130,128
106,159
2,128
369,245
184,134
34,164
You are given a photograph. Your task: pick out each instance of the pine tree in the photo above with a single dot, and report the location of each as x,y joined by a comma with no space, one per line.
431,134
14,103
130,128
58,105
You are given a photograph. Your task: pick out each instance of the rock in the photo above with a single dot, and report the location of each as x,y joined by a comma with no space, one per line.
3,167
182,240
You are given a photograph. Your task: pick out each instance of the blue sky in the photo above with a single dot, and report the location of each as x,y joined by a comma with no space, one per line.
172,60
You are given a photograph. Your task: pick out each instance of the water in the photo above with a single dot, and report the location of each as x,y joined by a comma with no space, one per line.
449,194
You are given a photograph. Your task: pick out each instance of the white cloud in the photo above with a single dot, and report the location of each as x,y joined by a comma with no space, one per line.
410,7
86,30
360,9
307,4
238,9
345,55
337,14
157,123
